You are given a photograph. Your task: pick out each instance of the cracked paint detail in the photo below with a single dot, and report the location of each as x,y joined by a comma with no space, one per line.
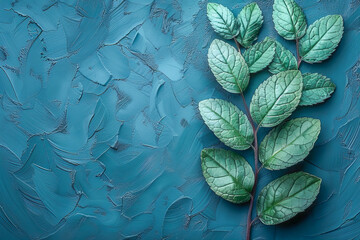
100,136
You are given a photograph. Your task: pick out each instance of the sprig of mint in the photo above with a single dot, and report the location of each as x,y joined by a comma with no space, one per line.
228,174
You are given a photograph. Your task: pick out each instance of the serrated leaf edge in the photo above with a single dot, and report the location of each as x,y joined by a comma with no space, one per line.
312,146
319,181
211,5
333,88
236,108
331,53
253,46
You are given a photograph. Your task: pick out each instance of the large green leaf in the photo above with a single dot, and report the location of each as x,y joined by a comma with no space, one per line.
250,20
287,196
283,60
228,174
276,98
321,39
222,20
317,88
260,55
289,19
289,143
227,122
228,67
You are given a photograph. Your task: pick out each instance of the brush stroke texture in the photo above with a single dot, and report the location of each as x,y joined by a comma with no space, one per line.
100,136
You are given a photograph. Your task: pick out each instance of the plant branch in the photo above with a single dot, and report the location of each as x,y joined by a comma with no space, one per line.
298,53
255,147
253,192
248,113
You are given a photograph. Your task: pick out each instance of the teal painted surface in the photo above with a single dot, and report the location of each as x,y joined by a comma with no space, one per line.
100,134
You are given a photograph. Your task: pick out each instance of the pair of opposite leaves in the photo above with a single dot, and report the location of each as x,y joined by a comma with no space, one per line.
279,201
285,145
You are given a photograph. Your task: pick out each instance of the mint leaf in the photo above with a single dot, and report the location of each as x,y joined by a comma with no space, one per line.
260,55
285,197
276,98
317,88
289,143
227,122
228,67
222,20
289,19
321,39
283,60
228,174
250,20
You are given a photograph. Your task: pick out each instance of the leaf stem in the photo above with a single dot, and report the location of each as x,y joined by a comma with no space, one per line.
254,220
248,113
298,53
253,192
237,44
256,156
255,147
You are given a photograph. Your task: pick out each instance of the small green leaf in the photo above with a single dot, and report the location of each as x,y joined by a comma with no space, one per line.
260,55
285,197
222,20
228,174
289,19
321,39
227,122
283,60
228,67
317,88
289,143
250,20
276,98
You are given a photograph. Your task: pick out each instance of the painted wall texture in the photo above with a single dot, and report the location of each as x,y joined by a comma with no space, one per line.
100,134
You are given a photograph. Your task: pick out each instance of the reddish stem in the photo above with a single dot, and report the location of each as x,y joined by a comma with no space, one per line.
256,159
253,192
237,44
256,147
256,155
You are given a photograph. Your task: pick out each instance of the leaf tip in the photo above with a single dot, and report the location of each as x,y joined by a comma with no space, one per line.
317,182
339,16
211,6
253,5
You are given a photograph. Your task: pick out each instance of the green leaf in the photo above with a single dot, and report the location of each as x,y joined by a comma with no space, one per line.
289,19
276,98
283,60
317,88
227,122
222,20
250,20
228,174
260,55
289,143
285,197
228,67
321,39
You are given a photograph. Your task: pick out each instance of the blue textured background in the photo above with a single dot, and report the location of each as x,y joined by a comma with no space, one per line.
100,134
